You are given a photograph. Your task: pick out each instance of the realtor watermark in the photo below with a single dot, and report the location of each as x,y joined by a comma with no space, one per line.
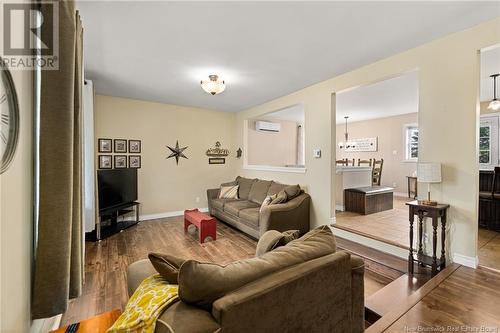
452,328
24,46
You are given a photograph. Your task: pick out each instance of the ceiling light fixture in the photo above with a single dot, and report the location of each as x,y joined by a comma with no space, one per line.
495,103
213,85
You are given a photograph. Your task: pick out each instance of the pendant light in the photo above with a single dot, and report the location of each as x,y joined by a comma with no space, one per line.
495,103
346,134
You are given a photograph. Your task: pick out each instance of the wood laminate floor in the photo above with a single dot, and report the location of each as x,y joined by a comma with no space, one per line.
390,226
105,286
467,301
489,249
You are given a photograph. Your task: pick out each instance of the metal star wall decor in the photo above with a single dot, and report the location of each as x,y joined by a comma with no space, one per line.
177,152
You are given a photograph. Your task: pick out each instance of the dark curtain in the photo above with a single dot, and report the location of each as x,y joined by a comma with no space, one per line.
58,272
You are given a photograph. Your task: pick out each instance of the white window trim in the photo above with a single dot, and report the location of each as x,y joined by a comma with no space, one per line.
405,143
494,153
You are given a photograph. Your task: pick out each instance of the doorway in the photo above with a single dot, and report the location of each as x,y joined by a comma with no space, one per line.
488,159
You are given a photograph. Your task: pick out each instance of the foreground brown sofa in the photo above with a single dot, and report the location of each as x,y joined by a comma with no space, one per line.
245,214
317,293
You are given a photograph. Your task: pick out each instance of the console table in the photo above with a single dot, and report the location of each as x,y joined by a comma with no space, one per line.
436,213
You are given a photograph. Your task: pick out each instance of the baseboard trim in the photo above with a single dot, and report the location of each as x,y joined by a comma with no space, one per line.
471,262
369,242
156,216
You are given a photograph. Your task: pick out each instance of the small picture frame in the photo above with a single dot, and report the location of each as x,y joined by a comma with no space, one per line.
120,161
104,145
105,162
216,160
134,161
134,146
120,145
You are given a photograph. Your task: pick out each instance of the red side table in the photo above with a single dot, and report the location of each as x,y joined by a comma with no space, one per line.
207,225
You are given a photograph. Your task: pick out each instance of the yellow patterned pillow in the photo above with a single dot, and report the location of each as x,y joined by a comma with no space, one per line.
148,302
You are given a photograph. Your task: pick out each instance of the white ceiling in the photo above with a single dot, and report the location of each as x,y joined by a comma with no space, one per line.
159,51
490,64
386,98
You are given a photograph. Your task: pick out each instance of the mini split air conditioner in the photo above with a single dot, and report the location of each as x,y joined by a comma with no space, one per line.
266,126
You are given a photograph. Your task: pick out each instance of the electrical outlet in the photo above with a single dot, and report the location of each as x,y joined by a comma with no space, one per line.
197,199
394,185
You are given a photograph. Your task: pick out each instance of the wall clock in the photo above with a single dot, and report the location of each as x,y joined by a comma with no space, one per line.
9,109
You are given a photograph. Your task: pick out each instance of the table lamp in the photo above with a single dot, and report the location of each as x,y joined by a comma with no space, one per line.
429,173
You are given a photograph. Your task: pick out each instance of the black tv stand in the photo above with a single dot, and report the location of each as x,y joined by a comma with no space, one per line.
110,215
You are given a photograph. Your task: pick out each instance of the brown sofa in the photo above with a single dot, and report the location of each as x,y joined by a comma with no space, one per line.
303,286
245,214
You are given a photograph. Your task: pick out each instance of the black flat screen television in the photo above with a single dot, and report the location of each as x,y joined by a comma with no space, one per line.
116,187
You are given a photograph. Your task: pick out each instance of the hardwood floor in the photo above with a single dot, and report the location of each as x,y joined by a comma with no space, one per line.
489,249
106,262
390,226
467,299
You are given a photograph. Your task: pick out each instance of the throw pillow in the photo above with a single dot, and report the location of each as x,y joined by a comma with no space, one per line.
203,283
267,201
289,236
229,192
280,198
286,194
168,266
268,241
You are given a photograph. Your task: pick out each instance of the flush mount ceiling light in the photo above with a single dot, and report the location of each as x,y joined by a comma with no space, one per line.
495,103
213,85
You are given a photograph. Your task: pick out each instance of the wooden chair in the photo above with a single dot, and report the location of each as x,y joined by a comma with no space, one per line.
362,162
492,194
377,171
342,162
489,204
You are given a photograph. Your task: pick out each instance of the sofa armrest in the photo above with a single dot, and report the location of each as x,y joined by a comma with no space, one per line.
293,214
357,294
213,193
137,272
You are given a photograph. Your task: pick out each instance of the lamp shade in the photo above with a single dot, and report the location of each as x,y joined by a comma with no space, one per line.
429,172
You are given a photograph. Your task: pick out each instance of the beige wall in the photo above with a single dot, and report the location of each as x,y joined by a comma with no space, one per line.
16,226
269,148
163,185
449,110
391,147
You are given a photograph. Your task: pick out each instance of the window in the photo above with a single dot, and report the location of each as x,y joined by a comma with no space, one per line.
488,142
484,144
411,133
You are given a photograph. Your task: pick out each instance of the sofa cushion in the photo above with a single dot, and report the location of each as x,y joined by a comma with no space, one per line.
259,191
251,215
275,188
292,191
234,207
245,187
183,318
202,283
167,265
219,203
